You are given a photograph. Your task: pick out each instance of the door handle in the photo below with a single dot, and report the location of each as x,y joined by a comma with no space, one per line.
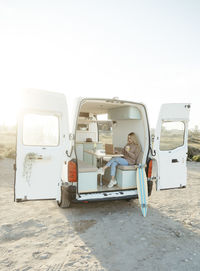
39,157
34,156
174,160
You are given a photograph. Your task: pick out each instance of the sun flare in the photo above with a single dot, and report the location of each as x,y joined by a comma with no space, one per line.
9,104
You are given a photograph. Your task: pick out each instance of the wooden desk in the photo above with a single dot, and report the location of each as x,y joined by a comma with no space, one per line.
100,154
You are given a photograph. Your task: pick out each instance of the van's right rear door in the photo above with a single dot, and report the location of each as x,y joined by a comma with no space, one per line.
171,138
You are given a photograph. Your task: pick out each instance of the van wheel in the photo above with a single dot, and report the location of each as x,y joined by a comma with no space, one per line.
65,198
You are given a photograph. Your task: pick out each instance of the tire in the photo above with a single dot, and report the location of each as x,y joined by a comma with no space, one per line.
19,200
65,197
150,187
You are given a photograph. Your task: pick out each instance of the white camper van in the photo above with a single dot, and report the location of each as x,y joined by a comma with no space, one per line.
56,160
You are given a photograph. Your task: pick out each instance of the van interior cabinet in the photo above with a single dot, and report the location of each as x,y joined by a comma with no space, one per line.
79,151
88,158
126,178
87,177
87,182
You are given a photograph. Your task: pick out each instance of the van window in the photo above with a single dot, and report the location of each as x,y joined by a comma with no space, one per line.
102,117
105,129
40,130
172,135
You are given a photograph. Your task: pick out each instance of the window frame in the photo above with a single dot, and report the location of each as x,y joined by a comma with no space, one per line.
183,142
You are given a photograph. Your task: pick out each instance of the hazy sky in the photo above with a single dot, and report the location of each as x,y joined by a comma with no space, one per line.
144,50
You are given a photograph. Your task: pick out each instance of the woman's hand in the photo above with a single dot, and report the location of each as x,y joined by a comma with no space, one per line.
127,148
118,150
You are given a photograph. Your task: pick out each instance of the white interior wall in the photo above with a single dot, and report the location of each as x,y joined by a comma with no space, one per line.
140,127
123,127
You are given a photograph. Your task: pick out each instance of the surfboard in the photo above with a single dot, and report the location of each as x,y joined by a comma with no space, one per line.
142,189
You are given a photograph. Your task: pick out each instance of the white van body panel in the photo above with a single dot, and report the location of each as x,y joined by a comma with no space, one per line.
42,168
39,162
171,162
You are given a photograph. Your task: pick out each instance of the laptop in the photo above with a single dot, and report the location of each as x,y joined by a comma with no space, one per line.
109,149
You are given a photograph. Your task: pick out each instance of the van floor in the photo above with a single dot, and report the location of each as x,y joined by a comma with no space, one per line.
106,188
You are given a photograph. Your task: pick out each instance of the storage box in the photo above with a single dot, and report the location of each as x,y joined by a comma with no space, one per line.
87,182
126,178
124,113
87,177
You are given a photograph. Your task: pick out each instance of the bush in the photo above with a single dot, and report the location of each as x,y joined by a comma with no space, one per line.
11,153
192,151
8,152
196,158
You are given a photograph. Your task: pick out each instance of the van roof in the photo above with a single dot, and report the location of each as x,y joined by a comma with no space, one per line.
101,106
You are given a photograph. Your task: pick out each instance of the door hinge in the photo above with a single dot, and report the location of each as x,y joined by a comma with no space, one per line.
187,106
71,136
154,178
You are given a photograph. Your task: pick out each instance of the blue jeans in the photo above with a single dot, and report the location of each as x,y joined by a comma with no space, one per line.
114,162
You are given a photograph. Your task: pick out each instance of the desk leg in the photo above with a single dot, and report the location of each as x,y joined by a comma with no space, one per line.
101,163
101,183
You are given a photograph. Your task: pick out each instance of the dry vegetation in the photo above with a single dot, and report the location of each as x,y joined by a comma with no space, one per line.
7,142
194,145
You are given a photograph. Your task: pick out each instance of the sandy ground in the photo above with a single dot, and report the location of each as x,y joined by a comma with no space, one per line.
38,235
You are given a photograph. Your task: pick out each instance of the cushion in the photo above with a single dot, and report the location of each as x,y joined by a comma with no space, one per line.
130,167
84,167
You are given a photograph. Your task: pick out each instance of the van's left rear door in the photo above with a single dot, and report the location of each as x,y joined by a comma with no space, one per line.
42,131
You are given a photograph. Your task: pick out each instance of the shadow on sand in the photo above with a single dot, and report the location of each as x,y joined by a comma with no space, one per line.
120,238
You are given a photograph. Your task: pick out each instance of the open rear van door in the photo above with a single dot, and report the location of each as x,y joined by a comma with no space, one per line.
42,133
170,145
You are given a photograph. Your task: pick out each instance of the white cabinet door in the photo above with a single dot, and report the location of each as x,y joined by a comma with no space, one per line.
79,151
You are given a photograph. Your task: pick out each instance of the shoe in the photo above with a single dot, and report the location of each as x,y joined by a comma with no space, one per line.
100,171
112,183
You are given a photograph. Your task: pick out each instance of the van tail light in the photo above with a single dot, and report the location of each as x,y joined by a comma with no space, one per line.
72,171
149,169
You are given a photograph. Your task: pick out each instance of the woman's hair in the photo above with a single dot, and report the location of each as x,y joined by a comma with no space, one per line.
134,138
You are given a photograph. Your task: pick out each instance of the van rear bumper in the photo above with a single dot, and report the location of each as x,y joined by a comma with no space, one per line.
106,199
117,195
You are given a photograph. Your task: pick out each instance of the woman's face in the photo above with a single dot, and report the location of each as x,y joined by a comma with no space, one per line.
130,140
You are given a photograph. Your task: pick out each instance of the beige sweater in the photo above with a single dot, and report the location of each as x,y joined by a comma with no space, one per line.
132,155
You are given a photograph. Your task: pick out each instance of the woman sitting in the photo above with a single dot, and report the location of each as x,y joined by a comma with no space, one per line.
130,154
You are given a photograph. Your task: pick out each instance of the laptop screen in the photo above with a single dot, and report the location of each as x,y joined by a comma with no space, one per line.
109,149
